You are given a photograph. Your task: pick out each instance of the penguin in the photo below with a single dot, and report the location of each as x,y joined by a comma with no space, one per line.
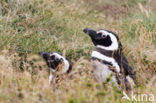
108,60
54,60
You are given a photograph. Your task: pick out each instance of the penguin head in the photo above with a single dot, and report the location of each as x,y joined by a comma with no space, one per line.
103,38
52,59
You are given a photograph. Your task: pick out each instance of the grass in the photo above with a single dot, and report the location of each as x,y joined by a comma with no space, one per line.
30,26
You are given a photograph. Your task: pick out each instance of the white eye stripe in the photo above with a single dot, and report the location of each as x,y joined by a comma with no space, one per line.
102,32
114,45
52,55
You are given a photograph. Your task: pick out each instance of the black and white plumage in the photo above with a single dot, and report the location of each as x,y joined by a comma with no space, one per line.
53,61
107,58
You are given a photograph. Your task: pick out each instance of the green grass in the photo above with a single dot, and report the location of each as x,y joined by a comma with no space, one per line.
30,26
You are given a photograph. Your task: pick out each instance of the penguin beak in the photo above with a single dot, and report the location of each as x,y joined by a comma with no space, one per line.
44,55
41,53
90,32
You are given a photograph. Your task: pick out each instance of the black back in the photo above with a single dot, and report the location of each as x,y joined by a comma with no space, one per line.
70,64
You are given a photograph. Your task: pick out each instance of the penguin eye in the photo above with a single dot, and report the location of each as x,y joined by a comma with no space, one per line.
103,36
53,57
61,59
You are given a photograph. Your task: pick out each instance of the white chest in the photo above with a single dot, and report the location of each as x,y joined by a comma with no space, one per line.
108,59
102,72
64,70
66,66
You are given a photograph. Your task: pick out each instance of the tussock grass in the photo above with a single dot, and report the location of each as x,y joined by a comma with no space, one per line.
29,26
